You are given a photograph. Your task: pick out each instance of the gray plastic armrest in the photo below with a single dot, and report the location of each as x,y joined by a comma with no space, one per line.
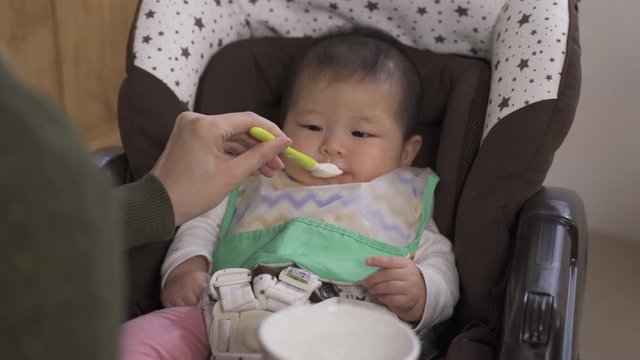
113,161
546,282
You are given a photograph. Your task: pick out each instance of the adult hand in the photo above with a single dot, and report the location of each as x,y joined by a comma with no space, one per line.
399,285
206,157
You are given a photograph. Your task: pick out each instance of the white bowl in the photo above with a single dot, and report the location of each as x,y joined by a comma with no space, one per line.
336,331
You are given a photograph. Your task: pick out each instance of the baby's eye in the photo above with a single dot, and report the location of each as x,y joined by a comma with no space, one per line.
360,134
312,127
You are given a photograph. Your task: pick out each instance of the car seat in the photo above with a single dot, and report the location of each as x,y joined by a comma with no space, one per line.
501,82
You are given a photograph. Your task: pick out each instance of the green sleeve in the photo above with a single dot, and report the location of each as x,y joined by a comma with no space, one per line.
147,211
60,238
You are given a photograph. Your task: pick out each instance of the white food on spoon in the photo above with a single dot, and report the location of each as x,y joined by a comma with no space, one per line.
326,170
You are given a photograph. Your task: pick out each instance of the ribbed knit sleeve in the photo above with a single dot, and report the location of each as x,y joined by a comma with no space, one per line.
147,211
60,246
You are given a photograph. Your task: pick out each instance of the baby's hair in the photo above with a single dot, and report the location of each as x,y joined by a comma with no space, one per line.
361,53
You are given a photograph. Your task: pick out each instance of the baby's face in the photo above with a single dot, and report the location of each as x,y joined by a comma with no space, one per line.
352,124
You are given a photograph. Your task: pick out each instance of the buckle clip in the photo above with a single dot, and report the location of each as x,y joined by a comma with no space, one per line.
230,276
300,279
233,287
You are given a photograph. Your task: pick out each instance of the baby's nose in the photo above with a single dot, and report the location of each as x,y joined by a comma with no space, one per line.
332,147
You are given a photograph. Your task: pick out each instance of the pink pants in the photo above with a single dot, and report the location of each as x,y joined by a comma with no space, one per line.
173,333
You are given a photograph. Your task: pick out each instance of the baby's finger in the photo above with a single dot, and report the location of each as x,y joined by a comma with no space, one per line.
388,262
382,276
396,302
392,287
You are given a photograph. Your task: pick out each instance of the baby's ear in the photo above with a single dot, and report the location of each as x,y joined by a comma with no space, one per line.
410,150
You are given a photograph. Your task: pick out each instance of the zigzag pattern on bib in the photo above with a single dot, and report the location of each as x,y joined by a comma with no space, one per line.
388,208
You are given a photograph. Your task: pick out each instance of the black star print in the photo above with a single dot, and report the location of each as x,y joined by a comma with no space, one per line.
552,59
198,23
524,63
533,32
333,6
372,6
524,19
496,66
177,83
527,102
437,1
474,51
218,3
161,33
440,39
462,11
422,11
253,2
146,39
149,14
548,77
185,52
504,103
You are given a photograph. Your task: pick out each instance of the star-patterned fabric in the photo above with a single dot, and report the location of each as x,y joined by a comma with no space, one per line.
524,40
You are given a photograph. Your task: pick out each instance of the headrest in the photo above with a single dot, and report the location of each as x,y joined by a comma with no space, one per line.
524,40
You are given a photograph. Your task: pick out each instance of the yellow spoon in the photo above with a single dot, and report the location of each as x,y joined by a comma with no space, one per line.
321,170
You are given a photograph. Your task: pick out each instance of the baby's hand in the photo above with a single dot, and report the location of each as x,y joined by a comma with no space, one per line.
399,285
184,289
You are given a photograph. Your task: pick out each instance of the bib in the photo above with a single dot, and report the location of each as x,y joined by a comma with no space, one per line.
330,229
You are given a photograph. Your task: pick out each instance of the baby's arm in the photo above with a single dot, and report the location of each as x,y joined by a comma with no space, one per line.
399,285
436,261
423,290
185,271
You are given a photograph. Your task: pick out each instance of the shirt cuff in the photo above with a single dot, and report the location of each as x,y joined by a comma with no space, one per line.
437,307
147,211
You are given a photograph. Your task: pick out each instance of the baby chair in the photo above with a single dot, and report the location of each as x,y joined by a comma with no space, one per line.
501,82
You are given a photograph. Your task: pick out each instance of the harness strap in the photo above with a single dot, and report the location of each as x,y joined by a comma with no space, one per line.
244,303
233,286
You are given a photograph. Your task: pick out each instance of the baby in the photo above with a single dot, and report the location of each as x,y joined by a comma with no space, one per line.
366,234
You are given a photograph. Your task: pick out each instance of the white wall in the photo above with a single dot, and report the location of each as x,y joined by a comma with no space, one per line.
600,158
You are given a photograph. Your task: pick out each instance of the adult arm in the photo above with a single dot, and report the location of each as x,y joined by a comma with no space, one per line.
206,157
60,249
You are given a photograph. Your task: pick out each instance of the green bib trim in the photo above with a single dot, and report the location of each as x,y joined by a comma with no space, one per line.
332,252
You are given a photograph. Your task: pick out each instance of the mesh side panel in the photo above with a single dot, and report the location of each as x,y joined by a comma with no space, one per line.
471,143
